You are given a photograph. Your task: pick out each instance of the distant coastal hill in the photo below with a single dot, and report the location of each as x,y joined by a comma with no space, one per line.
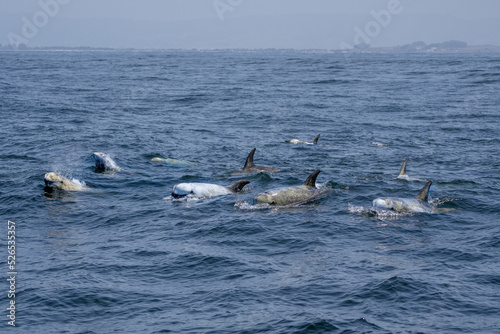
416,47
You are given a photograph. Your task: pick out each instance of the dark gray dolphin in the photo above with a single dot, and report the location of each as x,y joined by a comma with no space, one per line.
250,167
304,193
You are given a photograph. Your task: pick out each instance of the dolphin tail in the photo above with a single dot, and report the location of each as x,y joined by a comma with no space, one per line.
402,172
238,185
316,140
311,180
249,163
423,195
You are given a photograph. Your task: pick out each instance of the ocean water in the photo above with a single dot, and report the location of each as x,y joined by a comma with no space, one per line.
123,257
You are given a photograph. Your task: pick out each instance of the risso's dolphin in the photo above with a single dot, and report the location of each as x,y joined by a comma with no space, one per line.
296,141
104,163
402,172
56,181
169,161
293,195
206,190
250,167
417,204
404,176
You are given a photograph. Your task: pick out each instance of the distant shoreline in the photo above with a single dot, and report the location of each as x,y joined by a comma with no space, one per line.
380,50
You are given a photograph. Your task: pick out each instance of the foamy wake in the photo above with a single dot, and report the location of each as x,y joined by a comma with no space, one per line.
357,209
375,212
323,185
191,200
441,201
183,199
79,183
247,206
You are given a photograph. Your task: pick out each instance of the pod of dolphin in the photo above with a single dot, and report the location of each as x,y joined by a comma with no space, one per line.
287,196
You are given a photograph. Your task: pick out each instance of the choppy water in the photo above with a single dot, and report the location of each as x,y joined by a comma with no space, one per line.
120,258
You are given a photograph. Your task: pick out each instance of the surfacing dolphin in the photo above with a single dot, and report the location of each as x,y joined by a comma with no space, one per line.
173,162
304,193
417,204
296,141
206,190
56,181
402,171
404,176
104,163
250,167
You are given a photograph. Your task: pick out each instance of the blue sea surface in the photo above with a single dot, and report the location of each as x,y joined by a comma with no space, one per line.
123,257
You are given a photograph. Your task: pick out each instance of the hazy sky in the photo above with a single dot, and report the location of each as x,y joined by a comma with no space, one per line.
246,23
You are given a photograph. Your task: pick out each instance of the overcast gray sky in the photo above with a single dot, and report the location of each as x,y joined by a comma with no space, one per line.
207,24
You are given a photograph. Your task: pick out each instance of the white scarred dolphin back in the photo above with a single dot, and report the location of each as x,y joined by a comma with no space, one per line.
199,190
103,162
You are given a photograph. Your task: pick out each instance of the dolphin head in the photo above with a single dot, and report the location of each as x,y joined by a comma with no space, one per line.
383,203
104,162
267,197
100,160
182,190
57,181
53,179
99,155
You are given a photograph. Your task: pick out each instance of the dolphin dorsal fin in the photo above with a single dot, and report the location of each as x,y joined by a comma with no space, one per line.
316,140
249,163
238,185
423,195
402,172
311,180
